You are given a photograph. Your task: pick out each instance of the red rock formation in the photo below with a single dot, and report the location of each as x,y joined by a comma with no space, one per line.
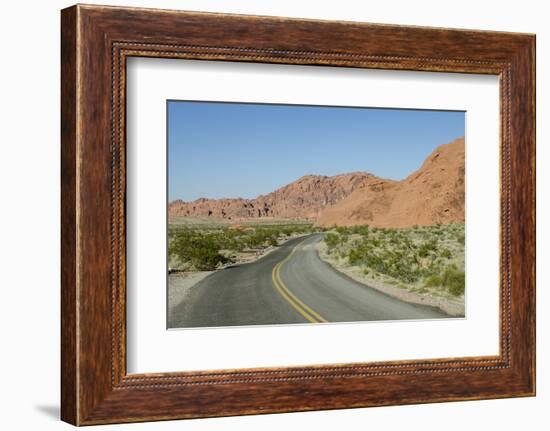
302,199
433,194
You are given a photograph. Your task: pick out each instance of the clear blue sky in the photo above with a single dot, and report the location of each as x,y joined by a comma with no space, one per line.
234,150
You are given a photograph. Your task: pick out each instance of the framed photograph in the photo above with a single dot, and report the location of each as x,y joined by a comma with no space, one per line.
264,215
346,247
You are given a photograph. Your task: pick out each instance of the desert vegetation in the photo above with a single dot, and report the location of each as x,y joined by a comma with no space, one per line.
206,247
427,259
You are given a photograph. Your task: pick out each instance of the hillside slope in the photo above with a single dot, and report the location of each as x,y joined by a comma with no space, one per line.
304,198
433,194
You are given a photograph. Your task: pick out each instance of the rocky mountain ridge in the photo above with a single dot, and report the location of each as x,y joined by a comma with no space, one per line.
435,193
304,198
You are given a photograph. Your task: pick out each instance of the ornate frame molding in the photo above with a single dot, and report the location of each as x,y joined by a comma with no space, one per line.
96,41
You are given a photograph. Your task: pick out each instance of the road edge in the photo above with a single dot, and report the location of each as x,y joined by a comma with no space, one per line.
394,292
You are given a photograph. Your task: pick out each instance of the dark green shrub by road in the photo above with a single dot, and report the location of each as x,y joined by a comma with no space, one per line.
454,280
331,240
205,249
198,249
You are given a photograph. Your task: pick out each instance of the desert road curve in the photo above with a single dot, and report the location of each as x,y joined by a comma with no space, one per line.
289,285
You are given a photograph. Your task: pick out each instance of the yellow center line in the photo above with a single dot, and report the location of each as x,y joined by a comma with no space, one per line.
292,299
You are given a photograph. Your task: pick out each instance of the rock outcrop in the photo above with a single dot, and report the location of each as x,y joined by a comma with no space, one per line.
433,194
304,198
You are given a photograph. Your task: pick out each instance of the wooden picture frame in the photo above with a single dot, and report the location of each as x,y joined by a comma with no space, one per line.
95,43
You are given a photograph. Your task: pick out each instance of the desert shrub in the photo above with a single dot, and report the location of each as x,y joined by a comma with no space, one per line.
454,280
341,230
261,237
445,253
426,247
331,240
406,255
375,242
433,280
202,250
360,230
207,258
354,256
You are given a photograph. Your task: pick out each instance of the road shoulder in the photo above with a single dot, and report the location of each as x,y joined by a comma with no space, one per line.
454,308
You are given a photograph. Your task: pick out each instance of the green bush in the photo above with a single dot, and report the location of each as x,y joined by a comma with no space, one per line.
446,253
332,240
433,280
406,255
454,280
201,248
355,256
427,247
207,258
360,230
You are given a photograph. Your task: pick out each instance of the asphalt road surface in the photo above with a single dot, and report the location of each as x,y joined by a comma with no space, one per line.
289,285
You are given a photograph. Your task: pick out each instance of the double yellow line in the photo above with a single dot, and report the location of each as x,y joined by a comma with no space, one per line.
292,299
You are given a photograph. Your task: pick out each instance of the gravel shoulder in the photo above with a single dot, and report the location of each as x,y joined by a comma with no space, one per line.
179,287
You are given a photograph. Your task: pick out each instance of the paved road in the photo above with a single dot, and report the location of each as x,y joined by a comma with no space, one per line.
289,285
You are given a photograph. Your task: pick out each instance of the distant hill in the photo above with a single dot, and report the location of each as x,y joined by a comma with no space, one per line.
433,194
304,198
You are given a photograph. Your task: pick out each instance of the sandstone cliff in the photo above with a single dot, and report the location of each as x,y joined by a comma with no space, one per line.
304,198
433,194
